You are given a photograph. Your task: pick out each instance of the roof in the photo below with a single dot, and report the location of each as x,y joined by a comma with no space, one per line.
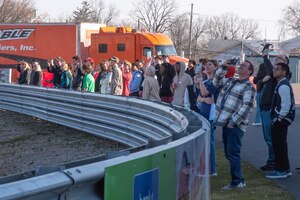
216,47
291,45
221,45
158,38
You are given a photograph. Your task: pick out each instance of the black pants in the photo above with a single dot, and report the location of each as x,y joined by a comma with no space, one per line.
280,146
134,94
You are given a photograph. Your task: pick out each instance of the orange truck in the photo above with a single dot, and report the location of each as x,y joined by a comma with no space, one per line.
128,44
40,42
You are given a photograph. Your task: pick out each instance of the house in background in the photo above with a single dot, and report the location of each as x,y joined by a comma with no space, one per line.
250,50
291,46
228,49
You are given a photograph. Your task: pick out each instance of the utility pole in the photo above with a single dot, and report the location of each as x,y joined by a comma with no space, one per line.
190,35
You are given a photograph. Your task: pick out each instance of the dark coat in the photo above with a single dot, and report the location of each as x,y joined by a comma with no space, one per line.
25,77
77,80
37,78
166,81
262,72
268,87
56,75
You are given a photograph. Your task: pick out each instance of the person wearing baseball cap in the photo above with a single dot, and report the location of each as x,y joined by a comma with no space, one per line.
117,79
114,59
90,61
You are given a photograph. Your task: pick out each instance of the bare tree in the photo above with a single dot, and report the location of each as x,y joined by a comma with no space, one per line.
228,26
217,29
290,21
154,15
127,23
179,33
16,11
232,27
199,39
249,29
102,13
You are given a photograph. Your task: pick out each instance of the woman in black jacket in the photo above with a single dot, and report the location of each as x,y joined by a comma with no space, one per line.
25,73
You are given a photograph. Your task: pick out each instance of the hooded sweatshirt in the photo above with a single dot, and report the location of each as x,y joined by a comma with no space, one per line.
151,87
181,80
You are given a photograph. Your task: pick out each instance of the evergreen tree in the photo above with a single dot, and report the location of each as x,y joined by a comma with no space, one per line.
84,13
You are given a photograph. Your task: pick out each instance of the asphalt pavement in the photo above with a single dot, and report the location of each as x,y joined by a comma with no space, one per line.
254,151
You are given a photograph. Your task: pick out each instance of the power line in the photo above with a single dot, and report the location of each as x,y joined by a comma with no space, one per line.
255,19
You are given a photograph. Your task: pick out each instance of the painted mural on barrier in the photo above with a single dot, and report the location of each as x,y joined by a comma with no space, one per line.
191,171
121,181
5,75
177,173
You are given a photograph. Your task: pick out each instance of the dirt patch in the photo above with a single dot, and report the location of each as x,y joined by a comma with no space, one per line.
27,142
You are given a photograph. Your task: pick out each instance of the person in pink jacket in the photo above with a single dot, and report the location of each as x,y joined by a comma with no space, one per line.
126,76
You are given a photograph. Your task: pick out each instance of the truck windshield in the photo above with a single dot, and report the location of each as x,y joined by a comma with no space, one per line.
168,50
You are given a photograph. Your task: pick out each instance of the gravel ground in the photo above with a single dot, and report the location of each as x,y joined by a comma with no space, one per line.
27,142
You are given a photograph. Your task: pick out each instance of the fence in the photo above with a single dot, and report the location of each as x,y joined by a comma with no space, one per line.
136,123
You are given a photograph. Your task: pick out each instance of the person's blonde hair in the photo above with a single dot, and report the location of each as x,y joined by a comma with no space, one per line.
65,66
26,64
37,66
126,62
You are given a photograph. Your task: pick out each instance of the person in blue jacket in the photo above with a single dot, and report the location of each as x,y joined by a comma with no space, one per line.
136,81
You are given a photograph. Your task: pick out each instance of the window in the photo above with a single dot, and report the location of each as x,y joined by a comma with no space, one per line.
147,51
121,47
165,50
102,48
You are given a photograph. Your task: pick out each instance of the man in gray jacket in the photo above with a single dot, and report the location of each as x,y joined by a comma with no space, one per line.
116,80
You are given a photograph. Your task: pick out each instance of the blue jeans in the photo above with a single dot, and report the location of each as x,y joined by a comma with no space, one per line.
257,113
212,149
266,126
232,138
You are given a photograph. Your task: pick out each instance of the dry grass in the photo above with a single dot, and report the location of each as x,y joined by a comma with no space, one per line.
258,187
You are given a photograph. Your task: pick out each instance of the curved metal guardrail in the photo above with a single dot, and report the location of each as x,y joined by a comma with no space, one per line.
130,121
126,120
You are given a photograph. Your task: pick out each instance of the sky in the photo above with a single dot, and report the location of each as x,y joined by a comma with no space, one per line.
266,12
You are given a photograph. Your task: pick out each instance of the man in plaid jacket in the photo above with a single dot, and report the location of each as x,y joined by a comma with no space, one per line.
234,104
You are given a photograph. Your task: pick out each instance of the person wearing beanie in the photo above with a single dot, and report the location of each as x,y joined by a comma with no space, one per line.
150,85
268,84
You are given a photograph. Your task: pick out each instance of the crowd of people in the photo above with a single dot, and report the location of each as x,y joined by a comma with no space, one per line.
206,87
